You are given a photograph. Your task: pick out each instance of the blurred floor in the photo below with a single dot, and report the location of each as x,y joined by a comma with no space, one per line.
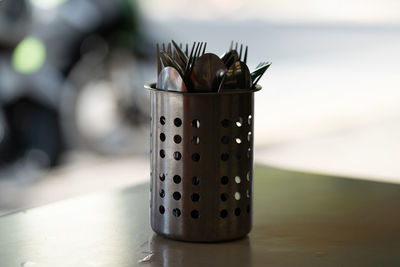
85,173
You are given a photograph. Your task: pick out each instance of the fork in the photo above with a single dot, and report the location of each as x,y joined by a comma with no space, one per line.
259,72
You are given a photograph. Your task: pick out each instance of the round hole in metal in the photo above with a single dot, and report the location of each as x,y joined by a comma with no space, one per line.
237,211
248,176
195,197
237,196
177,155
176,195
224,197
161,209
224,156
162,137
177,139
247,193
225,123
238,179
196,157
177,179
249,119
162,176
249,136
249,152
177,122
238,140
162,193
196,123
176,212
225,140
162,153
224,180
195,214
162,120
239,122
223,213
195,180
195,140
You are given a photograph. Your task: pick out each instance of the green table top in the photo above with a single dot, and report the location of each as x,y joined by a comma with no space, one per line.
299,220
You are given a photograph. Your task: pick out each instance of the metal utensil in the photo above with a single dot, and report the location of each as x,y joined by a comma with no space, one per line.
189,61
259,72
180,53
196,55
158,59
206,73
169,79
168,61
237,77
245,55
229,58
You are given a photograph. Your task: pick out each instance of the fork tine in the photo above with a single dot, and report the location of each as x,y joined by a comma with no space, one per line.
231,47
245,55
187,49
197,49
158,59
195,55
240,54
199,52
190,58
163,47
169,49
204,50
236,46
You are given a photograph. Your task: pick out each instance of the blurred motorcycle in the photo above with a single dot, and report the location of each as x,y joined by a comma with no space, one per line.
68,78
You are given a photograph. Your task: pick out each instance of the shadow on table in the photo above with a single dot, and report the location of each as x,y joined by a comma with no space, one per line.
176,253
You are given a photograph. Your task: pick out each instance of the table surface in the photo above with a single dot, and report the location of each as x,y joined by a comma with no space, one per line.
300,220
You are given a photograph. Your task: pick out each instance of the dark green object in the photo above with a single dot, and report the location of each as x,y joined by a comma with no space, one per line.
259,72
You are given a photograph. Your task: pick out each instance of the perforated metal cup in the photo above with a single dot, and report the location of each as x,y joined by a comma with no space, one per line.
201,164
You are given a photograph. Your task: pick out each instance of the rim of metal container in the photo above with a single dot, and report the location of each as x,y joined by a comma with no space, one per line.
152,87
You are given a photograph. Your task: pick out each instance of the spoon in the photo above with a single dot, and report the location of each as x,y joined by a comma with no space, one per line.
206,72
170,80
237,77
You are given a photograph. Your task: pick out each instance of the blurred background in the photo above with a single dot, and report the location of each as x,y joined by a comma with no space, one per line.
74,116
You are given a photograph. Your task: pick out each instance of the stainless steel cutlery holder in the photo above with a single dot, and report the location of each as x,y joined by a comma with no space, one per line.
202,164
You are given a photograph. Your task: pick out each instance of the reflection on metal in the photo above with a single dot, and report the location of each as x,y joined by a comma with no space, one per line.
29,56
147,258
